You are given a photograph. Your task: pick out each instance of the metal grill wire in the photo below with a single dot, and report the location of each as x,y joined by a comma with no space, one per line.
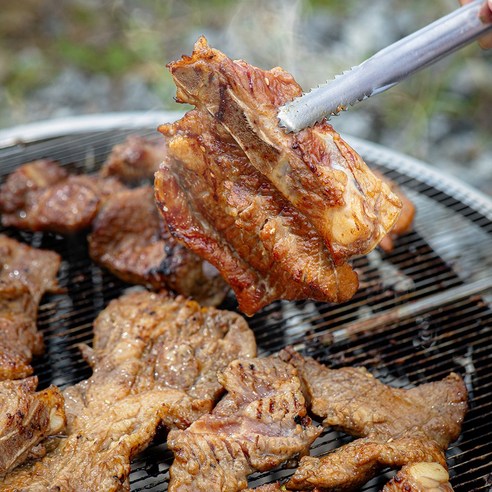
381,328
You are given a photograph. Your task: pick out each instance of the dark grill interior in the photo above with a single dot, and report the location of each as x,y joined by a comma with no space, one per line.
420,313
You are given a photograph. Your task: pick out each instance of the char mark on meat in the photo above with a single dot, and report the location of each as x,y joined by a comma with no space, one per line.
155,361
277,214
25,275
130,239
261,423
396,426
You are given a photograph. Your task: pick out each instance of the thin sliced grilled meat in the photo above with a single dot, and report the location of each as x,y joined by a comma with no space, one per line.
155,360
26,419
219,205
25,275
129,238
398,426
352,465
353,400
40,196
134,160
261,423
315,170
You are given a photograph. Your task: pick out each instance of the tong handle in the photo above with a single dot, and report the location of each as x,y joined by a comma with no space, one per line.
387,67
433,42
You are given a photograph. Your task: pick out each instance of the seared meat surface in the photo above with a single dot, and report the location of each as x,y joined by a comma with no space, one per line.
155,361
307,193
260,423
134,160
25,275
222,208
353,400
26,418
41,196
398,426
129,239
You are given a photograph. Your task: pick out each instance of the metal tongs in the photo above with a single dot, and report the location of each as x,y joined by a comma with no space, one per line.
386,68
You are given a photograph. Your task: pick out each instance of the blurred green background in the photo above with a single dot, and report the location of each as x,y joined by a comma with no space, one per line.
60,58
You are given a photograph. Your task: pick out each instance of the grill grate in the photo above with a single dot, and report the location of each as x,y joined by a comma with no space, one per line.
422,310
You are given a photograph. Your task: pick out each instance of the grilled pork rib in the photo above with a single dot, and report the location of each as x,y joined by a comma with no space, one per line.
277,214
26,418
25,275
397,426
41,196
221,207
134,160
154,361
129,238
260,423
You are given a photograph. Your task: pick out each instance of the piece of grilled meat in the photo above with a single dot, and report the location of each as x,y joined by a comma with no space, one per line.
41,196
155,361
26,419
221,207
261,423
25,275
129,238
307,197
398,426
134,160
350,466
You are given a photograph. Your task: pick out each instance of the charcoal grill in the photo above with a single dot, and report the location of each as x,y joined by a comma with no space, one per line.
422,311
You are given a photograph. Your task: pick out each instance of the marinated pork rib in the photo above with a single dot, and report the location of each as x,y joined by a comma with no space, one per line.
261,423
221,207
287,194
129,238
316,171
26,418
154,361
134,160
41,196
399,426
25,275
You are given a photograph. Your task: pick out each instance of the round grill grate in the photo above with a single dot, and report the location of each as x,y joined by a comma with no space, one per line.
422,311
